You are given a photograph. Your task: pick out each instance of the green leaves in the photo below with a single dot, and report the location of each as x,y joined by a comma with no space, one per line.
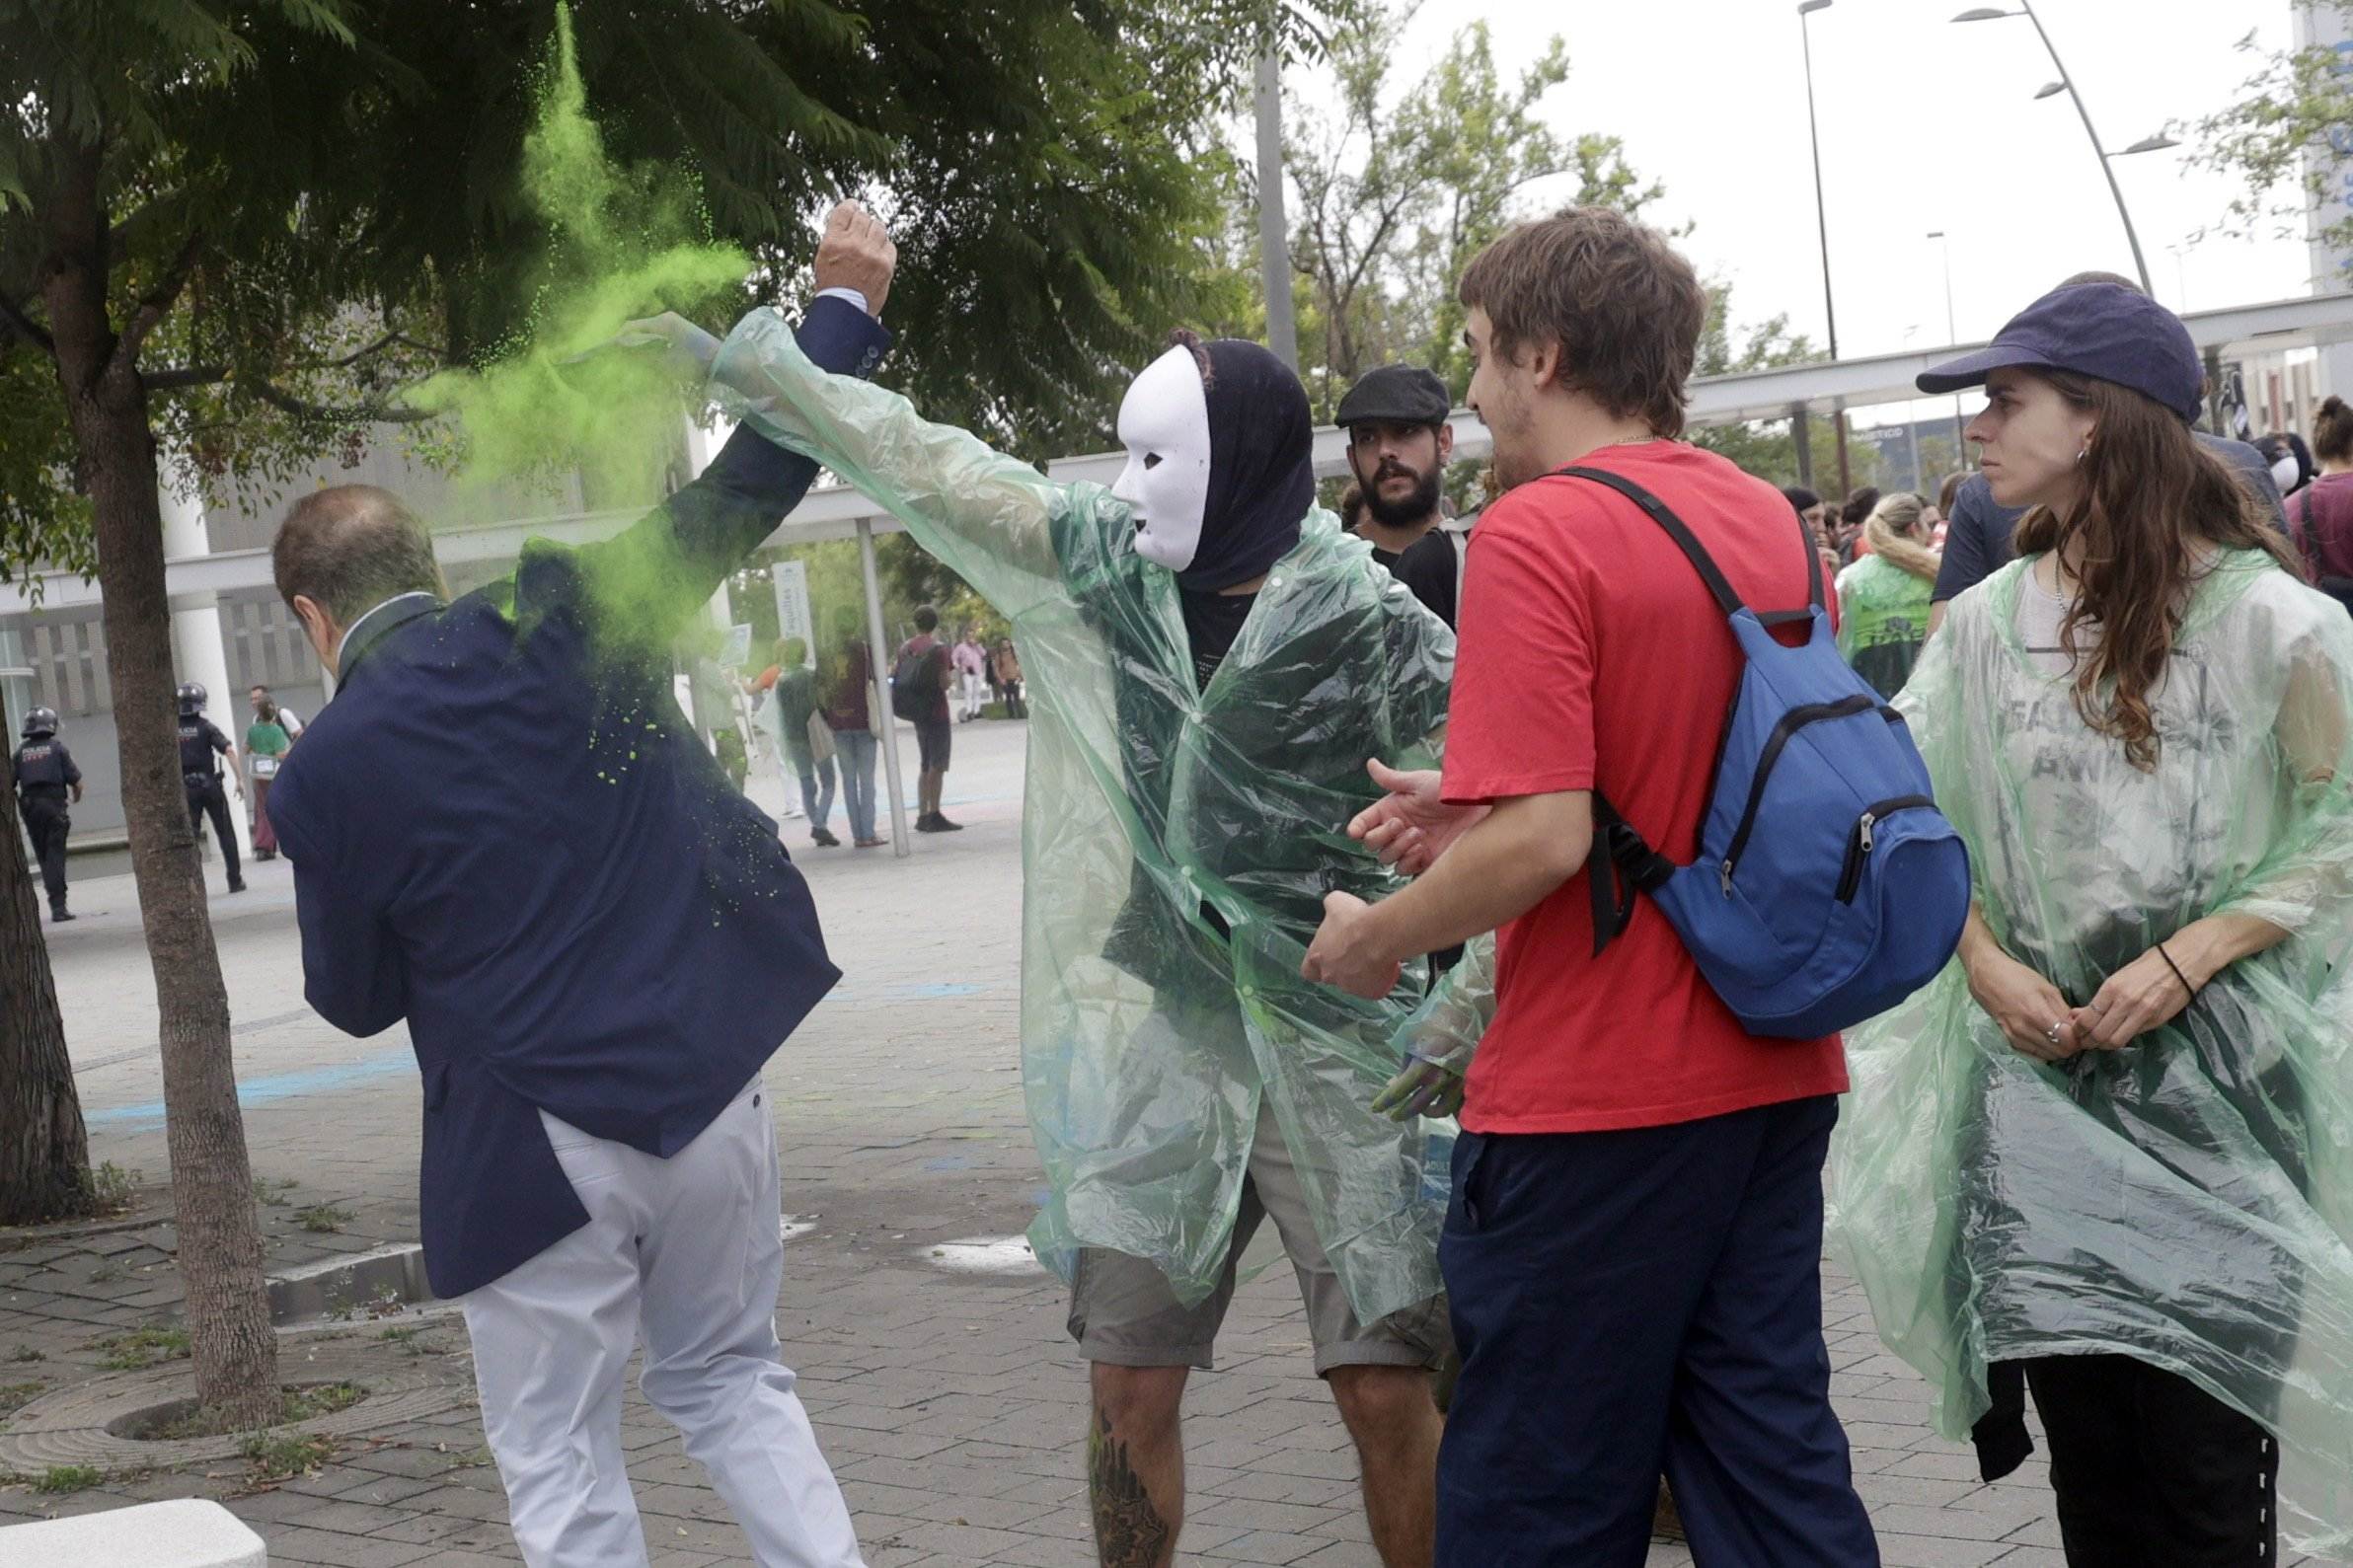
2285,138
1395,200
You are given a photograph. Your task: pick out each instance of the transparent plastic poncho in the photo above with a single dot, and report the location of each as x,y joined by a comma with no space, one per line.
1178,843
2183,1201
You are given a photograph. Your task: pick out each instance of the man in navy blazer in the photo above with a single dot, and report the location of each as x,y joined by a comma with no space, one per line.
504,831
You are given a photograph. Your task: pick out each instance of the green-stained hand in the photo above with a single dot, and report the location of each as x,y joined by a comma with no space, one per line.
1423,1088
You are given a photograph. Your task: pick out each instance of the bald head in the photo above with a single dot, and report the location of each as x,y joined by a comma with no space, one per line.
349,548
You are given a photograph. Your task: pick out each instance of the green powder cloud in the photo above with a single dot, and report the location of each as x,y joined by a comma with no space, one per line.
621,244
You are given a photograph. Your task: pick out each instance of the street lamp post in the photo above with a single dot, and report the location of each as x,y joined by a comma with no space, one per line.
1805,9
1953,336
2067,84
1274,235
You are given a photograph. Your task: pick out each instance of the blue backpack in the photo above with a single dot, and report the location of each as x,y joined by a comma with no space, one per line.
1829,887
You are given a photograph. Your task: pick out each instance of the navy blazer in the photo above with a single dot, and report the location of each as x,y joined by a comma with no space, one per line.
504,831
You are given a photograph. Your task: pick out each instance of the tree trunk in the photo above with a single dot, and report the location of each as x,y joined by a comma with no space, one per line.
45,1152
220,1241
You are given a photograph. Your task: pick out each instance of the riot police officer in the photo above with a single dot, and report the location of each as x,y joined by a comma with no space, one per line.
200,744
46,774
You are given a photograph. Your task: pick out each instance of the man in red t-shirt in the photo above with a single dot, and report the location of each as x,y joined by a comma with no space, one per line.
1632,1252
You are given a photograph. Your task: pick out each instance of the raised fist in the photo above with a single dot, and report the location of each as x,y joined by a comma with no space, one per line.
856,253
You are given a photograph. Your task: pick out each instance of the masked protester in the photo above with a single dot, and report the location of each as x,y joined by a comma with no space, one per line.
1216,660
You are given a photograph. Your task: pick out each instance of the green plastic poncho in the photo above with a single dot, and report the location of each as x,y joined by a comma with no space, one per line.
1178,843
1884,618
2183,1201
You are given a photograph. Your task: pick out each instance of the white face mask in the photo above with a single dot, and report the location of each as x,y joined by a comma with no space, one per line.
1164,422
2286,472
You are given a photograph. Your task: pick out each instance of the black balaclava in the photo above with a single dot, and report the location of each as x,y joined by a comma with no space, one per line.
1262,466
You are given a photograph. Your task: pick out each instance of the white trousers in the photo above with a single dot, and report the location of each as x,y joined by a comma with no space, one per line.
684,1252
976,693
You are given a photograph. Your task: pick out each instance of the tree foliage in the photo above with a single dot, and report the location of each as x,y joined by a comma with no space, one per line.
1404,183
2288,138
337,189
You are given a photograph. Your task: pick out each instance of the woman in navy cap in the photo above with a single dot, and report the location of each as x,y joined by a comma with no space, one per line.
2104,1156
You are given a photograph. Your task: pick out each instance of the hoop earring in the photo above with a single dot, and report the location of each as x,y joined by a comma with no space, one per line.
2080,455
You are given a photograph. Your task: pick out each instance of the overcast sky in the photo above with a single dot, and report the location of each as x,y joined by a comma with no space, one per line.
1926,125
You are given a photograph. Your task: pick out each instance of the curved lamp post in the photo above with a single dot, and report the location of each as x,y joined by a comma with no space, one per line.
1805,9
2067,84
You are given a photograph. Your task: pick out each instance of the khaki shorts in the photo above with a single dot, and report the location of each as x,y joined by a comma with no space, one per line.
1123,1311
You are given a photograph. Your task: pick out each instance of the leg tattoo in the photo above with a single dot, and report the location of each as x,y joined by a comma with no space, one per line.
1128,1531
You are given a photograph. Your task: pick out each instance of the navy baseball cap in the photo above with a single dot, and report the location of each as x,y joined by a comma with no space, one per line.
2105,331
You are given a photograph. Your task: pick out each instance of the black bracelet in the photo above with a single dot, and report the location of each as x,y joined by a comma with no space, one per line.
2177,974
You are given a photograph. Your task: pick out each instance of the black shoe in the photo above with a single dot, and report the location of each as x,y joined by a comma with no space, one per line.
924,824
59,915
236,887
824,839
940,824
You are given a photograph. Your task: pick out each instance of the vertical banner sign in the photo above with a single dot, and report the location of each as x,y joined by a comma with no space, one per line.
793,616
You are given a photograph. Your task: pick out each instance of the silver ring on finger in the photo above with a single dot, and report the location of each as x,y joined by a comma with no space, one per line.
2052,1034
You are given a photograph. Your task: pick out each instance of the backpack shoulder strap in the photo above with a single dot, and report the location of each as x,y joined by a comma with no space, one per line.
1717,584
1462,565
1660,514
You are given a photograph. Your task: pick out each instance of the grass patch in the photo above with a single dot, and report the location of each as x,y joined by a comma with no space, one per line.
298,1405
61,1478
111,1189
322,1218
105,1274
14,1396
145,1347
272,1194
280,1456
26,1353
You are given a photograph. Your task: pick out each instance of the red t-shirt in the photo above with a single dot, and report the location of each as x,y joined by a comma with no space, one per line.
1594,658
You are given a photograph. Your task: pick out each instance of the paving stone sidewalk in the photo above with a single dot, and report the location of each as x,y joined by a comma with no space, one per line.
940,1378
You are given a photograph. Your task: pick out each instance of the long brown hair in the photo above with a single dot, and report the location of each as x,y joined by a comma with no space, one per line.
2150,490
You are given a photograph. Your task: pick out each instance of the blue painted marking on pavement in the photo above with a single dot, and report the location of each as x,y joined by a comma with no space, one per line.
276,1086
948,1163
1039,1197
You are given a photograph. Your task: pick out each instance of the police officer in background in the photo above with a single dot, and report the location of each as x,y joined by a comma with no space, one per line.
46,773
200,742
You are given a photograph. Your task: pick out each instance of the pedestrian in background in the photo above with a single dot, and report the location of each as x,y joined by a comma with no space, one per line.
1812,510
919,684
1883,597
848,704
803,737
1008,665
2291,464
203,751
2094,1159
2321,515
1846,535
972,667
266,743
287,719
45,774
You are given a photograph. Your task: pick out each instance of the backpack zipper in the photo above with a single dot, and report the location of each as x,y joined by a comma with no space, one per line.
1795,719
1858,845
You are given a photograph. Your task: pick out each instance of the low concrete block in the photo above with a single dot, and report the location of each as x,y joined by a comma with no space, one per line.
186,1533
